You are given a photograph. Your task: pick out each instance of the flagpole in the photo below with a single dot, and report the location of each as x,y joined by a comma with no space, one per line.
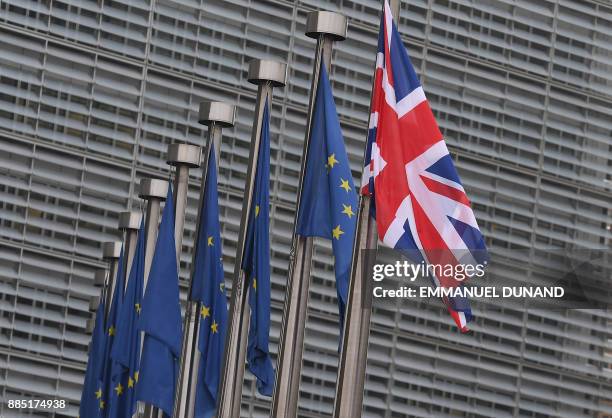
101,280
111,251
130,223
354,352
325,27
216,115
266,75
154,192
95,301
182,157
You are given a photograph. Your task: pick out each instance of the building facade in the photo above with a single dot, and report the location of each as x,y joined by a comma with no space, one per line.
93,91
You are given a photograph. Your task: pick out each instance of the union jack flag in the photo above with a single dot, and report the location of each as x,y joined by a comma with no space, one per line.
419,202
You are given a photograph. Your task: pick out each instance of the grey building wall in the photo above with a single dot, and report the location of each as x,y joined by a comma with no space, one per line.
93,91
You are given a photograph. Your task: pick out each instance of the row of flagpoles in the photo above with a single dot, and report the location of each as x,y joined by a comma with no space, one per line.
142,350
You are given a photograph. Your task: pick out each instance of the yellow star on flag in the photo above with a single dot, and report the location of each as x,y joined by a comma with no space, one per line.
98,393
119,389
205,311
138,308
102,403
136,377
214,327
331,161
336,232
256,211
344,184
130,382
254,283
221,287
111,331
210,241
348,210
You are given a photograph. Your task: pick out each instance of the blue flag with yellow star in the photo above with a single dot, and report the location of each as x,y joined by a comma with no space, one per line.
160,319
329,201
125,352
104,381
90,397
208,289
256,265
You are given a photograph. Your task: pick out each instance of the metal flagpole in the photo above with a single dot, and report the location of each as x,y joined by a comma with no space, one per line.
353,357
101,283
216,115
154,191
90,324
183,157
94,302
325,27
267,75
102,280
130,222
111,251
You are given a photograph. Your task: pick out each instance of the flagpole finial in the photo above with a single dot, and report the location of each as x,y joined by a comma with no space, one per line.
111,250
326,23
130,220
264,71
184,154
100,277
220,113
89,325
153,188
94,302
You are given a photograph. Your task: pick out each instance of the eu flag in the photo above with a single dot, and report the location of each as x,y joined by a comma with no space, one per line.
125,352
91,396
256,265
329,200
160,319
104,385
208,289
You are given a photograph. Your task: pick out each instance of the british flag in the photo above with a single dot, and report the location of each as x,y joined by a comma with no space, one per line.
419,202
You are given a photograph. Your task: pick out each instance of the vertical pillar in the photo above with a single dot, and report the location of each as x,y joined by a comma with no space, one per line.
130,223
111,251
325,27
266,75
353,357
216,115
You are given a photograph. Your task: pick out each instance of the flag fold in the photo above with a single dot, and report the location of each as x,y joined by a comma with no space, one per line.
256,265
328,204
160,319
125,351
208,288
420,203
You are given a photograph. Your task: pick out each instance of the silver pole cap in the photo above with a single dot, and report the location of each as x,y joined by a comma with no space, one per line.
94,302
184,154
99,277
130,220
331,24
111,249
153,189
89,325
262,71
221,113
